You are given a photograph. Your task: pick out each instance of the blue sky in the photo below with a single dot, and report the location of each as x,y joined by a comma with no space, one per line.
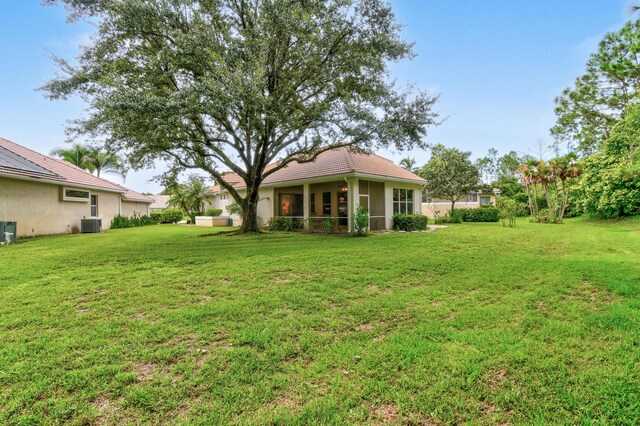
497,66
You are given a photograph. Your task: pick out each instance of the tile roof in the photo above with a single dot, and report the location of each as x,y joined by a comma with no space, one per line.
16,160
340,161
131,195
160,202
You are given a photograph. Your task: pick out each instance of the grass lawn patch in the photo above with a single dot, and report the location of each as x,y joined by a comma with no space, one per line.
473,323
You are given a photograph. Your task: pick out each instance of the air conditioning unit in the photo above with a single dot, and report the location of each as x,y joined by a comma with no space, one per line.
10,227
91,226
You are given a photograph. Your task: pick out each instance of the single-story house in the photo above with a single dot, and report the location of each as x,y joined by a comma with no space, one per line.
438,207
160,202
335,184
46,195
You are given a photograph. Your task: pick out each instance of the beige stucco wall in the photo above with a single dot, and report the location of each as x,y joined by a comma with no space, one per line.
268,203
39,210
389,186
133,208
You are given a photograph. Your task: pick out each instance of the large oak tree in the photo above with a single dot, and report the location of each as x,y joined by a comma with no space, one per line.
239,84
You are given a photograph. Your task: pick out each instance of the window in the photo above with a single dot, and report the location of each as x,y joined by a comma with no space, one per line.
94,206
291,205
70,194
425,197
485,200
326,203
312,204
402,201
472,198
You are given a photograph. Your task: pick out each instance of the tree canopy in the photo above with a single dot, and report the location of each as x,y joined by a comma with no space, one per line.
449,174
586,112
238,84
610,183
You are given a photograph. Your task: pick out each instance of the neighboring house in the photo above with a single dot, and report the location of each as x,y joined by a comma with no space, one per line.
438,207
160,202
333,185
45,195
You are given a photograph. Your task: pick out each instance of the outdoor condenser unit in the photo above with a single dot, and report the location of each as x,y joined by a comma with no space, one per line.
91,226
11,227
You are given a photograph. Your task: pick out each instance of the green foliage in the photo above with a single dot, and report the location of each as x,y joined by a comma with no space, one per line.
234,209
92,159
191,197
587,113
360,225
481,214
508,209
553,180
328,224
284,223
610,183
449,174
213,212
409,222
216,85
172,215
78,155
156,215
120,221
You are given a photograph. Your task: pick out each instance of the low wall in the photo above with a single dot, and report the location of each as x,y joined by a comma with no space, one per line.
212,220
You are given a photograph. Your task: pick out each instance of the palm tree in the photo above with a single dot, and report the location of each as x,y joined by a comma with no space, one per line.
107,162
78,155
197,194
408,163
190,197
529,177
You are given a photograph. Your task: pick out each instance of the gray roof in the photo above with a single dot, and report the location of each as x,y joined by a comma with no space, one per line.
11,160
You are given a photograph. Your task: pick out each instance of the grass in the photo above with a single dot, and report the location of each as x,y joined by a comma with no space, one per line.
475,323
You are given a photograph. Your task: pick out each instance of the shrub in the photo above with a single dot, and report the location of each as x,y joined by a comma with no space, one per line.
360,225
120,222
409,222
283,223
456,217
443,219
172,215
482,214
156,215
213,212
234,208
327,224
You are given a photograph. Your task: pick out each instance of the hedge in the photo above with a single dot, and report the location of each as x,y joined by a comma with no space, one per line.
409,222
213,212
167,216
120,221
482,214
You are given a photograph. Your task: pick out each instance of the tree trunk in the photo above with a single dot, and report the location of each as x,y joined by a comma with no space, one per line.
250,212
529,195
453,204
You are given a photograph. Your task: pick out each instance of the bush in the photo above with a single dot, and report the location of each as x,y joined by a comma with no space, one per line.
327,224
284,223
213,212
482,214
156,215
172,215
360,226
409,222
120,222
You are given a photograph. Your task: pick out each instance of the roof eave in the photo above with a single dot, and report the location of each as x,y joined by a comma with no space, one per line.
60,183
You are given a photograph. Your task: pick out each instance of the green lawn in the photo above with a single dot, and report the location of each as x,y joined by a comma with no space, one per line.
474,323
